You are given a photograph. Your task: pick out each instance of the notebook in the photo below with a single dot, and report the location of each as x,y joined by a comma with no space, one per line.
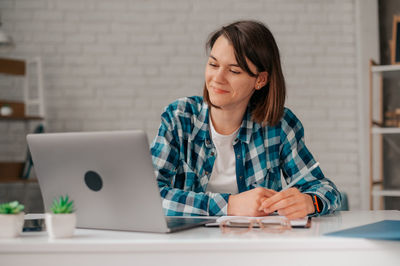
110,177
273,218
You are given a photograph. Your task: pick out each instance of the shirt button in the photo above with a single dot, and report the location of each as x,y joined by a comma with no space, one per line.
212,153
206,173
207,142
240,177
238,156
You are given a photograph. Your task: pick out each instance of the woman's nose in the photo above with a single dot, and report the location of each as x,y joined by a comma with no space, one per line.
220,76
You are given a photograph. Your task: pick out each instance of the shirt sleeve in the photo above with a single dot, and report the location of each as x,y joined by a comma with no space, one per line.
296,159
176,201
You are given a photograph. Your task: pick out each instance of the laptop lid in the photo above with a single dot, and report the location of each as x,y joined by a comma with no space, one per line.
109,175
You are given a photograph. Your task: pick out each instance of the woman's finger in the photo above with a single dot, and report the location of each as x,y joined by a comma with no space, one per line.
282,204
296,215
278,197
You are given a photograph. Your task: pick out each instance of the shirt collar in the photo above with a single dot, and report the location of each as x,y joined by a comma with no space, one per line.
202,126
248,127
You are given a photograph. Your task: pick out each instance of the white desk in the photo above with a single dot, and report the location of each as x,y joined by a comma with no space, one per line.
208,246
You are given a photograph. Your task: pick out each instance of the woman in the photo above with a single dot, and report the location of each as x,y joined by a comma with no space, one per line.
224,153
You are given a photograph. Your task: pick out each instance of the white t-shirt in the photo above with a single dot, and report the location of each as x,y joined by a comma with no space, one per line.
223,176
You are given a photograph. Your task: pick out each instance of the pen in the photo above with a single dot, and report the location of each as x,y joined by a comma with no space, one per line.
297,179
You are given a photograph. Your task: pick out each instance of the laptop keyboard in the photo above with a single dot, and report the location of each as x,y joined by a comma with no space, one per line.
176,222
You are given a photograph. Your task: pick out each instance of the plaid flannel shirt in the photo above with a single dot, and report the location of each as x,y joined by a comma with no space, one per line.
183,157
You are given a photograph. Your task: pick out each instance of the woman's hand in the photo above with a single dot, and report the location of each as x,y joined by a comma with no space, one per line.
290,203
248,203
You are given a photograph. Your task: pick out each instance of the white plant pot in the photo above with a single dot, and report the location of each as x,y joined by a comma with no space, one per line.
11,225
60,225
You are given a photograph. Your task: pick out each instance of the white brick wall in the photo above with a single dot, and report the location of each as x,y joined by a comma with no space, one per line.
116,64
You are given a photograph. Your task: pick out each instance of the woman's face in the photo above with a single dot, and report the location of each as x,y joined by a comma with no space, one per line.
229,87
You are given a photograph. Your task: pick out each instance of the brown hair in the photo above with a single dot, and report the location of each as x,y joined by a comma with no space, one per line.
254,41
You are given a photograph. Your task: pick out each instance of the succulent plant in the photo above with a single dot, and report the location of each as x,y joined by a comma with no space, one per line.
63,205
13,207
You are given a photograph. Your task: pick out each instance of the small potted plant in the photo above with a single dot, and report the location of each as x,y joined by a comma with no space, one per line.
11,219
61,221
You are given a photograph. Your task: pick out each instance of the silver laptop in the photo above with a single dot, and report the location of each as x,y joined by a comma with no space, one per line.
110,177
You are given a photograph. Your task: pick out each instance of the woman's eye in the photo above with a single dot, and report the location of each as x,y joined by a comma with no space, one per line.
212,64
235,72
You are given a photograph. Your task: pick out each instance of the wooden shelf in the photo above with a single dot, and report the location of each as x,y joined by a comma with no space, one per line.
30,71
386,192
385,130
377,128
12,66
385,68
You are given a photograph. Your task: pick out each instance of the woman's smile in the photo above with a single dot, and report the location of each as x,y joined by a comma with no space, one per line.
219,91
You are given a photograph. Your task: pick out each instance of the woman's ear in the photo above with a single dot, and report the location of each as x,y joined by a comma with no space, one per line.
262,80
